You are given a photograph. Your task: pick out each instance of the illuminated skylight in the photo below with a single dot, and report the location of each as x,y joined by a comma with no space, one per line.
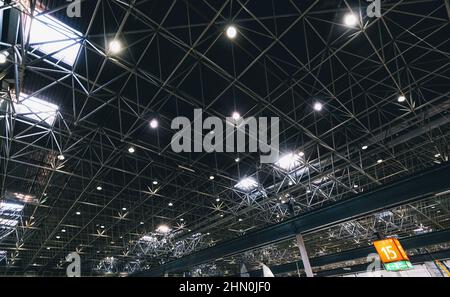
247,184
51,36
36,109
10,207
8,223
164,229
289,161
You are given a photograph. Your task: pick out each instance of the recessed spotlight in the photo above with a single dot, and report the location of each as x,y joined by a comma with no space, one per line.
355,186
3,57
142,223
58,237
240,220
115,47
236,116
61,157
181,220
48,248
170,204
63,230
437,155
380,161
350,19
218,200
401,99
103,227
318,106
155,182
365,147
131,150
99,188
301,154
212,177
221,215
124,208
308,191
231,32
154,124
237,160
78,213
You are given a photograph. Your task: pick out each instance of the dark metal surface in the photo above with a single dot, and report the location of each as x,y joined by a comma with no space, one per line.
431,181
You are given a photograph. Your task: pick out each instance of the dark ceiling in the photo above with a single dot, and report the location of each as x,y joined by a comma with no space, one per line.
176,57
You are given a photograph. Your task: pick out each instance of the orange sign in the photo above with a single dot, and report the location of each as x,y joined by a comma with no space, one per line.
390,250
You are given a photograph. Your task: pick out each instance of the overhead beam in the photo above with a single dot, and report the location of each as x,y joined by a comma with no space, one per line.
417,259
409,243
406,190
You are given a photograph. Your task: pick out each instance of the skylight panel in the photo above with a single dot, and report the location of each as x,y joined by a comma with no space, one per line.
10,207
36,109
52,37
247,184
7,223
289,161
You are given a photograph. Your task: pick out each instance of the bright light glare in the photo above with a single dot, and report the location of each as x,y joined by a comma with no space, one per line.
49,35
318,106
401,99
289,161
115,47
154,124
131,150
36,109
350,19
164,229
247,184
231,32
236,116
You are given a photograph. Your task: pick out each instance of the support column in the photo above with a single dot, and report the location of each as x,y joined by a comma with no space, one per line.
304,254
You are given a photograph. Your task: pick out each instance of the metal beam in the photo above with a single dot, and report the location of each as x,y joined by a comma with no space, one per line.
408,189
409,243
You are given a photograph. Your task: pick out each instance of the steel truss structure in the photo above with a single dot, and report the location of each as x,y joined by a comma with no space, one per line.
88,193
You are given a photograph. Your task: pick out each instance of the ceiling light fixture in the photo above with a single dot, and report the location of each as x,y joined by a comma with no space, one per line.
401,99
231,32
131,150
115,47
318,106
350,19
236,116
154,124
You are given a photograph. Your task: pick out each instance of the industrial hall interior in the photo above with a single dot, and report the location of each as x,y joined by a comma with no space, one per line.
224,138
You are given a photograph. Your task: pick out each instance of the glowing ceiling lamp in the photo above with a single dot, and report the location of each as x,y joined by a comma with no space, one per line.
247,184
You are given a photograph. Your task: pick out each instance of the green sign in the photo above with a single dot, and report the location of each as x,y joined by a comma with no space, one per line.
397,266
